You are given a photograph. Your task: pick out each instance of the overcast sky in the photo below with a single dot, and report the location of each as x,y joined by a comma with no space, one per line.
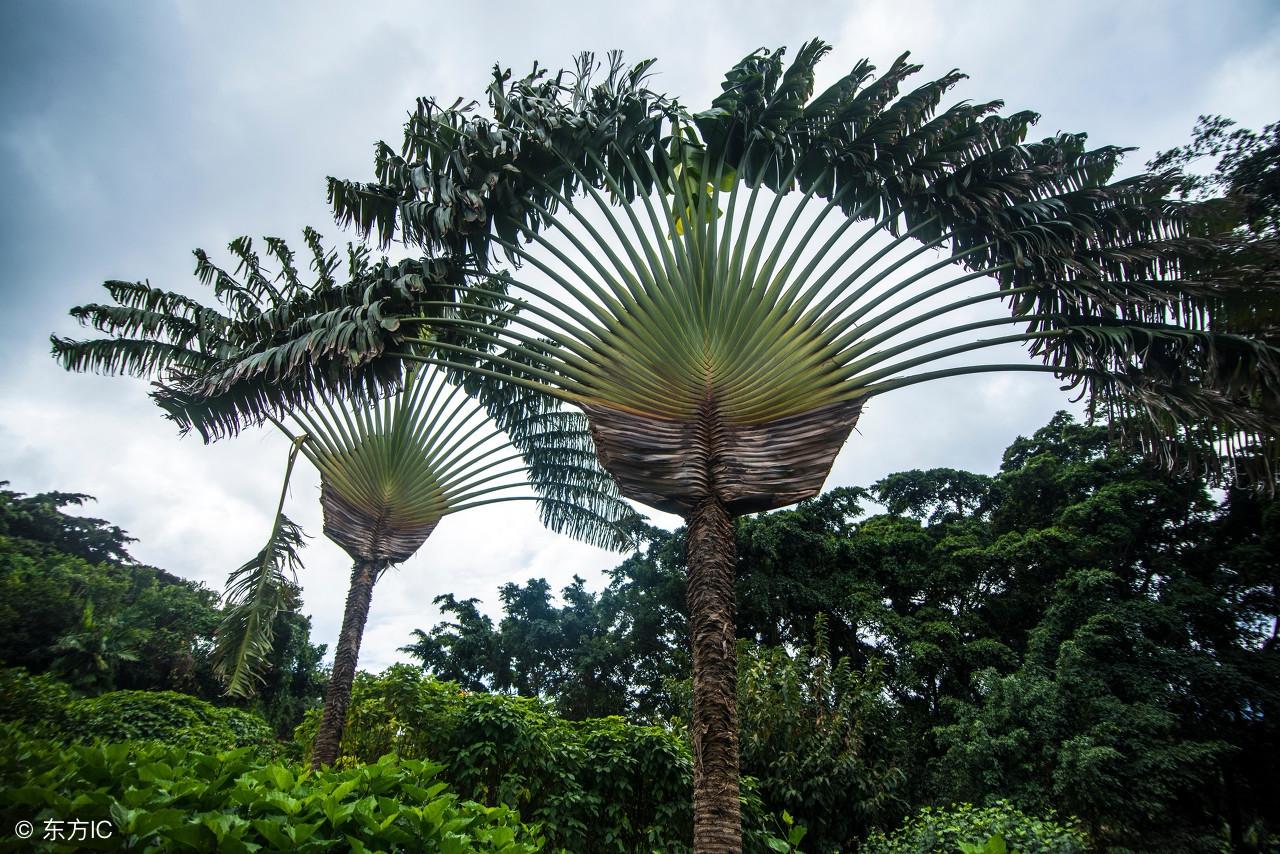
133,132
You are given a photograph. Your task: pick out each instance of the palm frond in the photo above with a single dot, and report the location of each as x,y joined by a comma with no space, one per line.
256,593
124,357
456,172
388,455
776,256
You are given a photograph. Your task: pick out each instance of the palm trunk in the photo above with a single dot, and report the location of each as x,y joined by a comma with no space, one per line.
338,696
717,812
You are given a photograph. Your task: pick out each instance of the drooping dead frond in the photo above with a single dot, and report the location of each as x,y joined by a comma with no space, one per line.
256,593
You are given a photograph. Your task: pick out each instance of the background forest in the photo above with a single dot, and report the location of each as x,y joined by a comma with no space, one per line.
1081,645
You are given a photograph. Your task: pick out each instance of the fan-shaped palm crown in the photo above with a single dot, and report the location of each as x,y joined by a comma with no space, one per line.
371,449
747,277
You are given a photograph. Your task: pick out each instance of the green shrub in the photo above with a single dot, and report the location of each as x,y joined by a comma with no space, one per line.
39,702
814,731
952,828
598,785
161,798
176,719
44,707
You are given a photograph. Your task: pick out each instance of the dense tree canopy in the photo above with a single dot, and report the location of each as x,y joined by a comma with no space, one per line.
74,604
1080,632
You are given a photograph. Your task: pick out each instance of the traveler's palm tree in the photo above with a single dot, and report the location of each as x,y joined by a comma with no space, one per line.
721,293
390,471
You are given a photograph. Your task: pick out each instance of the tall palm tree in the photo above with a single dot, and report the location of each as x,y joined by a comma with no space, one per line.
722,292
390,470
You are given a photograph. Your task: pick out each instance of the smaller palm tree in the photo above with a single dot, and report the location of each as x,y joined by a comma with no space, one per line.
391,468
390,472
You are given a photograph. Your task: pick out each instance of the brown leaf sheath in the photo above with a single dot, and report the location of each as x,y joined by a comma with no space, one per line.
368,537
676,465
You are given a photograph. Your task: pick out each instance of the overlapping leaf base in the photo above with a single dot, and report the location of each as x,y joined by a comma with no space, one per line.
675,465
368,538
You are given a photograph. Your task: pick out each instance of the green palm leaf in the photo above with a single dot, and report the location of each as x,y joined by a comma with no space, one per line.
256,592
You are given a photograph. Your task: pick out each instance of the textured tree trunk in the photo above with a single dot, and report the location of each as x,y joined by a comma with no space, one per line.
338,695
717,812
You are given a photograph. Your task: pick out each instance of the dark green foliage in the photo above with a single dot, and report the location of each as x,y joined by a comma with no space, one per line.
1081,632
956,828
598,785
45,706
168,717
937,495
161,798
39,518
296,680
109,624
578,653
106,625
1142,672
39,702
595,783
817,733
465,651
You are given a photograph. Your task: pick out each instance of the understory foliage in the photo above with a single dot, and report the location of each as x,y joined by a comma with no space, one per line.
814,732
46,707
162,798
596,785
972,830
1080,633
172,772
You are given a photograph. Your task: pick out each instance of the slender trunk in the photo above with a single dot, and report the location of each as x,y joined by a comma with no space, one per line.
717,812
338,695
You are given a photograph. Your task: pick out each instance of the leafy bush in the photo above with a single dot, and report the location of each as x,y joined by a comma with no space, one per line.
813,730
73,603
598,785
40,702
966,827
45,707
176,719
163,798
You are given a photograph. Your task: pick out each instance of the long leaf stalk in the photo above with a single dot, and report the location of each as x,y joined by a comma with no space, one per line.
743,348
